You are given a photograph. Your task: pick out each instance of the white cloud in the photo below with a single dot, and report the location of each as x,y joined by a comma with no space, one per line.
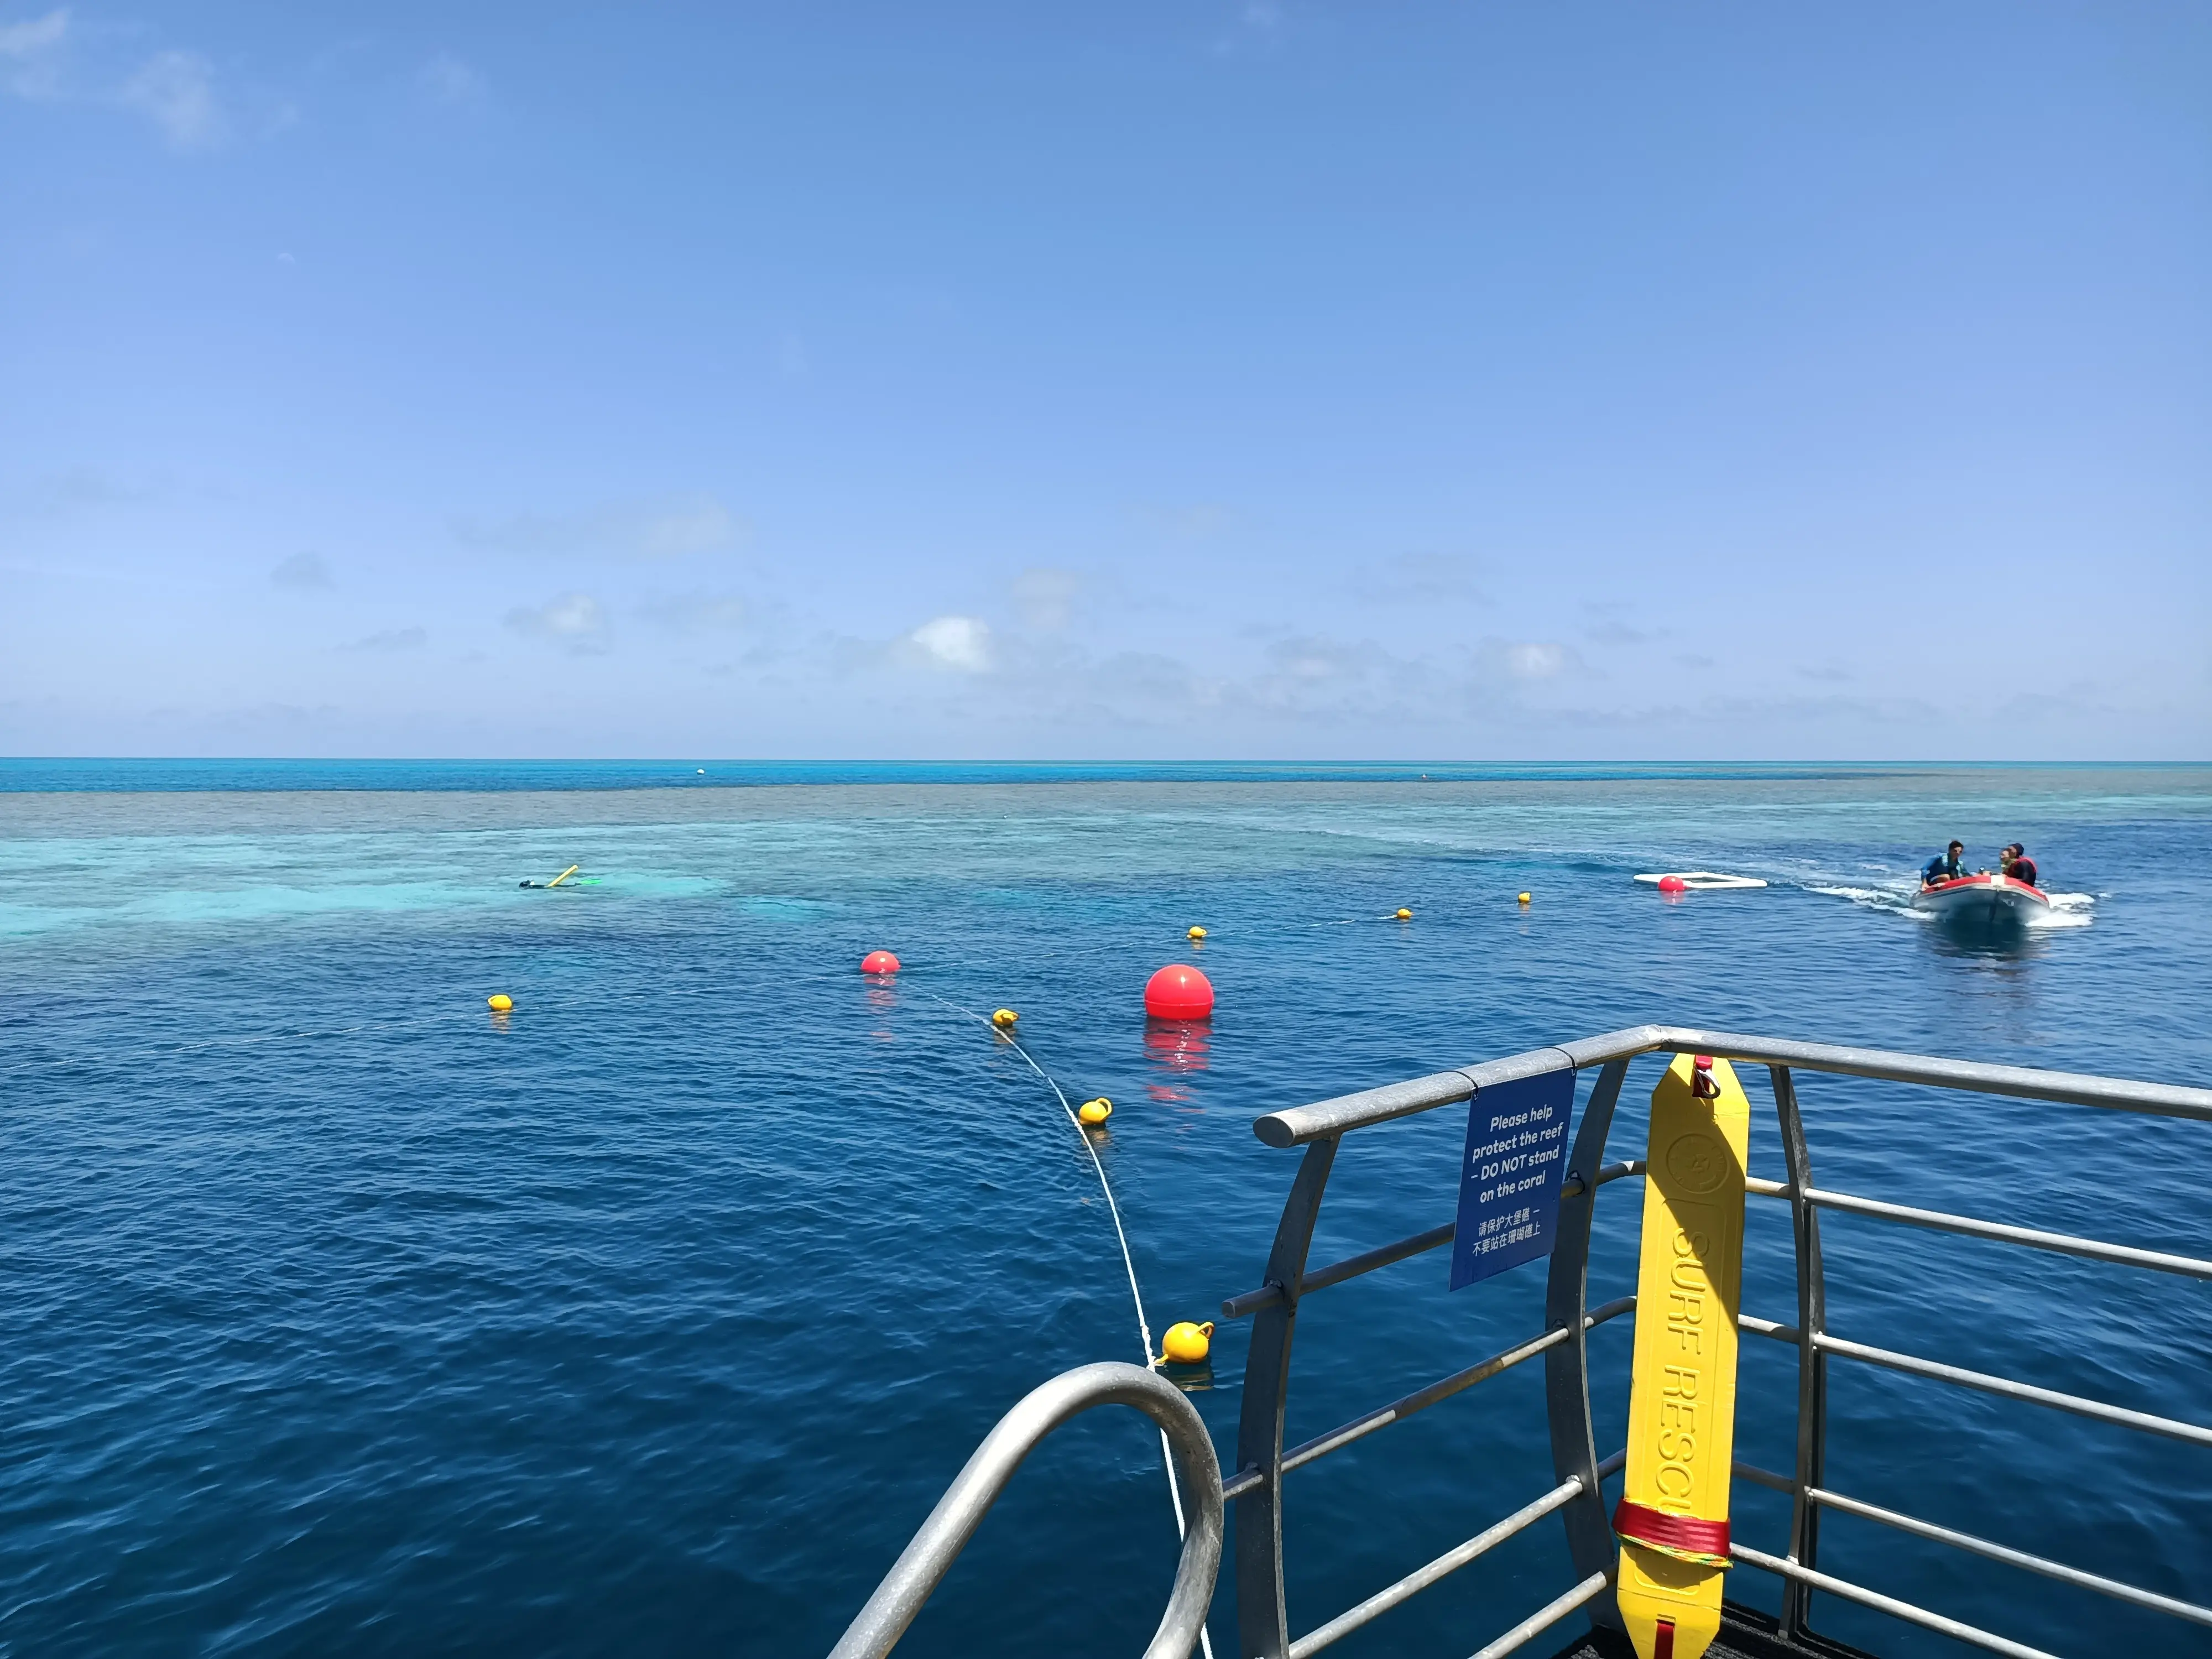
447,80
1535,662
303,572
30,55
176,91
668,528
962,643
576,622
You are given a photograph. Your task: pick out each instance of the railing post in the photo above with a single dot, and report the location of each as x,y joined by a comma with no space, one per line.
1812,1363
1262,1613
1566,1367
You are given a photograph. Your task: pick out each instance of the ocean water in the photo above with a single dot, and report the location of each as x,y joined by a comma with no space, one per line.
344,1316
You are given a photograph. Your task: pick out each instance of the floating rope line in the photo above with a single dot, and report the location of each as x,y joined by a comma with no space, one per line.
1143,1330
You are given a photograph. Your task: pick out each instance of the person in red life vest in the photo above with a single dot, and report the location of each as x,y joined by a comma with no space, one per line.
2018,864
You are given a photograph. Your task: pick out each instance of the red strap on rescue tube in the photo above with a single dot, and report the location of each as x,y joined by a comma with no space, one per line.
1663,1640
1641,1524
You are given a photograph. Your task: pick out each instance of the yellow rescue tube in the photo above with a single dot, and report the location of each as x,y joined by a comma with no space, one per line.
1672,1518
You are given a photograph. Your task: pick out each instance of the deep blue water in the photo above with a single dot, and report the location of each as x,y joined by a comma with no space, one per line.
346,1317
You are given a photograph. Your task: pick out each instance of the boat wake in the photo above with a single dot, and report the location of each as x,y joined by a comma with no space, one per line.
1894,894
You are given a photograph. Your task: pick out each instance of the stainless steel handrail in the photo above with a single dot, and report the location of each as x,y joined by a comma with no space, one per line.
2035,1563
1384,1255
925,1561
1445,1565
1957,1629
1319,1129
1261,1459
1421,1399
1302,1124
1914,1365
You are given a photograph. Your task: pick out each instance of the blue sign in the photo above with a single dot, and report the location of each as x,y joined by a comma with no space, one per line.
1508,1181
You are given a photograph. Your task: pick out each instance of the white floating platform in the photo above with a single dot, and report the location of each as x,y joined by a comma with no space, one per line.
1703,881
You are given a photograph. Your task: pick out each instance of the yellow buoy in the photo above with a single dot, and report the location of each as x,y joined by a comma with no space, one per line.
1198,933
1405,916
500,1002
1673,1513
1096,1111
1186,1344
1524,899
1004,1019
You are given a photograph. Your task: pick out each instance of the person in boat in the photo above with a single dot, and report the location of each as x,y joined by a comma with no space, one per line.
1944,866
2018,865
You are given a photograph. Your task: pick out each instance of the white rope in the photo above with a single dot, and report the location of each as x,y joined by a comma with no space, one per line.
1143,1330
1112,1209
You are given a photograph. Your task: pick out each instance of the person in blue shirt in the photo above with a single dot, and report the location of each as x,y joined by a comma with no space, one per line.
1944,866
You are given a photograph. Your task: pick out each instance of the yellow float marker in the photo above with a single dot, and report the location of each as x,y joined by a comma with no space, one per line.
1672,1516
564,875
1186,1344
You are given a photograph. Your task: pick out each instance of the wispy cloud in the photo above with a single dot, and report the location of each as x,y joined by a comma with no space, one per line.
1534,660
1422,578
960,643
696,613
1045,596
303,572
446,79
575,621
31,55
668,528
390,639
1195,522
49,58
78,489
1257,22
175,90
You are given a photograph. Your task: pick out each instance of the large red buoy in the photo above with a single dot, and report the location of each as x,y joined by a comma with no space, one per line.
1673,884
879,962
1178,991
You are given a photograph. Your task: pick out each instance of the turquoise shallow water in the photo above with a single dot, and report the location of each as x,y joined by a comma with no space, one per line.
346,1318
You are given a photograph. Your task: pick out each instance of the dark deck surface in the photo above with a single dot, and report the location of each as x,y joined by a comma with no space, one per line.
1745,1634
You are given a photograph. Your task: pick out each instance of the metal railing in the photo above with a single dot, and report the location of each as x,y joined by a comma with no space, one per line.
1262,1463
1577,1498
925,1561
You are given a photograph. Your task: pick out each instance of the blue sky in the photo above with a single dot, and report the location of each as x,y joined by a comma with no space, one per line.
1453,381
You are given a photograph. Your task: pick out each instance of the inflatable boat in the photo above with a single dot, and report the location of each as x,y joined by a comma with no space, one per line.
1986,900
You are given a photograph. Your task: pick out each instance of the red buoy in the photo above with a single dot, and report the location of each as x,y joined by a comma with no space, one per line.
879,962
1673,884
1178,991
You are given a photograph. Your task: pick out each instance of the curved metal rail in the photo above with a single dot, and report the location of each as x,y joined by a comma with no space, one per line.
925,1561
1577,1498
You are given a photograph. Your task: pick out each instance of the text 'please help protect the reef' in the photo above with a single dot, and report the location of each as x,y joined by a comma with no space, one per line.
1510,1178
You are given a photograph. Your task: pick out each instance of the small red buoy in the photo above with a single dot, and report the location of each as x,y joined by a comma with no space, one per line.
879,962
1673,884
1178,991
